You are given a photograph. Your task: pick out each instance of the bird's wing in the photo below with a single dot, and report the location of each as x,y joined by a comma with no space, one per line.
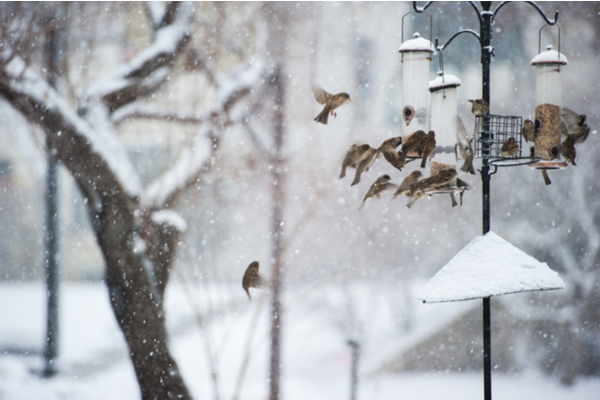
570,118
320,95
336,101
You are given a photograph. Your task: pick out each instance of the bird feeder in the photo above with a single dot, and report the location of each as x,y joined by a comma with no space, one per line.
548,107
443,115
416,56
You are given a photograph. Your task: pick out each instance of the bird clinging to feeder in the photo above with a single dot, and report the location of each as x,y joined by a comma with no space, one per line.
379,186
479,107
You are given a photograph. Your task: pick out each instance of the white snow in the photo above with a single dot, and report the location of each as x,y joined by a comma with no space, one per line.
444,81
489,266
549,56
104,141
186,167
166,41
418,43
316,361
170,217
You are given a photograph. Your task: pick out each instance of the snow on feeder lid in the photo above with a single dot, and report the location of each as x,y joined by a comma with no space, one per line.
548,103
417,44
443,117
416,55
489,266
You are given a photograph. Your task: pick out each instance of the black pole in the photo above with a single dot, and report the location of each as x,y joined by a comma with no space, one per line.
354,370
486,58
52,268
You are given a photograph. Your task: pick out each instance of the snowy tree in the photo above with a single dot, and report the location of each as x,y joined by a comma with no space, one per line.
135,226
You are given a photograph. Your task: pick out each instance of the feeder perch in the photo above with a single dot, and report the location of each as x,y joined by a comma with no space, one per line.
548,107
443,111
416,56
499,129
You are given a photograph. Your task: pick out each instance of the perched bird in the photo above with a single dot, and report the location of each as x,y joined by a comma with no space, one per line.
529,130
352,157
567,149
419,189
380,185
252,278
388,149
330,101
364,163
407,183
427,147
479,107
442,178
576,126
411,143
464,147
547,180
509,148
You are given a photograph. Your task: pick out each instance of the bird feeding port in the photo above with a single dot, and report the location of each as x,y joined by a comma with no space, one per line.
461,278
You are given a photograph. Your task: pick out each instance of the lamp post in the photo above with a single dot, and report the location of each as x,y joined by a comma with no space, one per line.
484,37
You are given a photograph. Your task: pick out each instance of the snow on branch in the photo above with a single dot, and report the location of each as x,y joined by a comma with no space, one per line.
146,72
186,169
36,99
151,111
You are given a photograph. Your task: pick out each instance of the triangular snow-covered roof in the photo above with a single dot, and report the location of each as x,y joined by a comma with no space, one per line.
489,266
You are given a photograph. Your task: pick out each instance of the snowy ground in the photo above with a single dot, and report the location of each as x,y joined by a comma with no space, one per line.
316,359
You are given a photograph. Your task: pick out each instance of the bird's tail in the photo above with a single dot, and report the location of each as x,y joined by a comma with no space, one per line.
322,117
468,167
424,160
343,173
547,180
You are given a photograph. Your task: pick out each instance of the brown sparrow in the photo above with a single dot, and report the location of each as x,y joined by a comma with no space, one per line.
567,149
576,126
388,149
407,183
509,148
252,278
479,107
419,189
364,163
412,143
529,130
427,147
380,185
352,157
330,101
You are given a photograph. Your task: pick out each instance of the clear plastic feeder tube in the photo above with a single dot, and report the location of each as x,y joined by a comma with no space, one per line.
548,102
443,121
416,56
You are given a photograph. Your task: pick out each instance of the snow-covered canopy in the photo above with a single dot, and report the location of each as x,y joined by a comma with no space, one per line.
417,43
489,266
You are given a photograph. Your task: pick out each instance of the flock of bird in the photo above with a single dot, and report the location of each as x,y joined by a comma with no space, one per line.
421,145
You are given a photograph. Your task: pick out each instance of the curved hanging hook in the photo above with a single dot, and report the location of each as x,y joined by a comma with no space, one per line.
540,37
539,10
418,12
421,9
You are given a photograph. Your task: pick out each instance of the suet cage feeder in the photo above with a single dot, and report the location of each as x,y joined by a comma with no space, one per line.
499,129
548,106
